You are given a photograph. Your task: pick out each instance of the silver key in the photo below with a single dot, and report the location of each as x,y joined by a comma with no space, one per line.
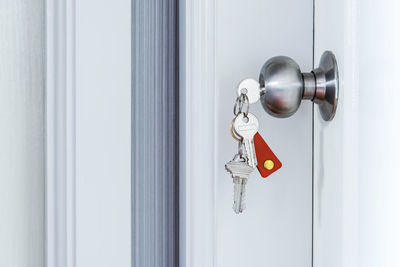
251,88
240,172
247,127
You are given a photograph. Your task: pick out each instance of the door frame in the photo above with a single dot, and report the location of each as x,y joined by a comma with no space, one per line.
197,156
88,133
60,134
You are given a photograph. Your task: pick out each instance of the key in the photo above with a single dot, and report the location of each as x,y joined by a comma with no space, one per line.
247,127
240,172
251,88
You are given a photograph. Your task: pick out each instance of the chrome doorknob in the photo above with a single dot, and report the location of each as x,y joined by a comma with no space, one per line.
283,86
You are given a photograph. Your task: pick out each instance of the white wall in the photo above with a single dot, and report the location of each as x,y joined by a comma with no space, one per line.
22,133
357,201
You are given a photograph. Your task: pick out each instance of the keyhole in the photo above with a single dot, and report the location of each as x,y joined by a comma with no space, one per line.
245,119
244,91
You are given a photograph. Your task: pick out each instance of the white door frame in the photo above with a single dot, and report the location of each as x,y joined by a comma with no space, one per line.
60,133
88,133
197,133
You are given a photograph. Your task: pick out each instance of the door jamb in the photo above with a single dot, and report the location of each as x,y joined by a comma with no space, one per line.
198,96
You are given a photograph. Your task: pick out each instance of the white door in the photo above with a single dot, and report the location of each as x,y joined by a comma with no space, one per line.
223,42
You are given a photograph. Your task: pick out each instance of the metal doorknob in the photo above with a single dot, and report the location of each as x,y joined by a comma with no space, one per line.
283,86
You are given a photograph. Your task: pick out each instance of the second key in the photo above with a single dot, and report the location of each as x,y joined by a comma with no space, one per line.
246,126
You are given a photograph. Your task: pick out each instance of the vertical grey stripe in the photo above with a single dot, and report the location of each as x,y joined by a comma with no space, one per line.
154,133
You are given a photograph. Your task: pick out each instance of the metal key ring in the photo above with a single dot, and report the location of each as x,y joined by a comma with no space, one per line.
238,100
232,132
241,101
246,100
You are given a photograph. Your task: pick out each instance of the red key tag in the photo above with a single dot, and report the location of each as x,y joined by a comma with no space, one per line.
267,162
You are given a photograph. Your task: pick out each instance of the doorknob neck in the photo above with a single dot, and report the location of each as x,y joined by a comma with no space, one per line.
308,85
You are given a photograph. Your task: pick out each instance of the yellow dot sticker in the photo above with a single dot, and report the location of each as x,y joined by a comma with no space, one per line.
268,164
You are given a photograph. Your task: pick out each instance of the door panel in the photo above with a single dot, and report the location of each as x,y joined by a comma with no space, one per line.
222,43
277,220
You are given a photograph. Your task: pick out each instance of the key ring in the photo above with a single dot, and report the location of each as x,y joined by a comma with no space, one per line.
241,101
232,132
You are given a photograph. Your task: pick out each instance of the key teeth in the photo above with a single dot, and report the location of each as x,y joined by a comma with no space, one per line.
235,211
240,209
251,155
239,204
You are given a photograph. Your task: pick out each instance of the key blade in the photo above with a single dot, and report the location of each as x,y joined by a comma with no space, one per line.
240,172
239,195
250,151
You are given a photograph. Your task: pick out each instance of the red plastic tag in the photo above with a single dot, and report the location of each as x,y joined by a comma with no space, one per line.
267,162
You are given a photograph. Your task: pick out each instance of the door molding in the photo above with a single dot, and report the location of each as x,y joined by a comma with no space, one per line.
88,133
197,133
60,133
